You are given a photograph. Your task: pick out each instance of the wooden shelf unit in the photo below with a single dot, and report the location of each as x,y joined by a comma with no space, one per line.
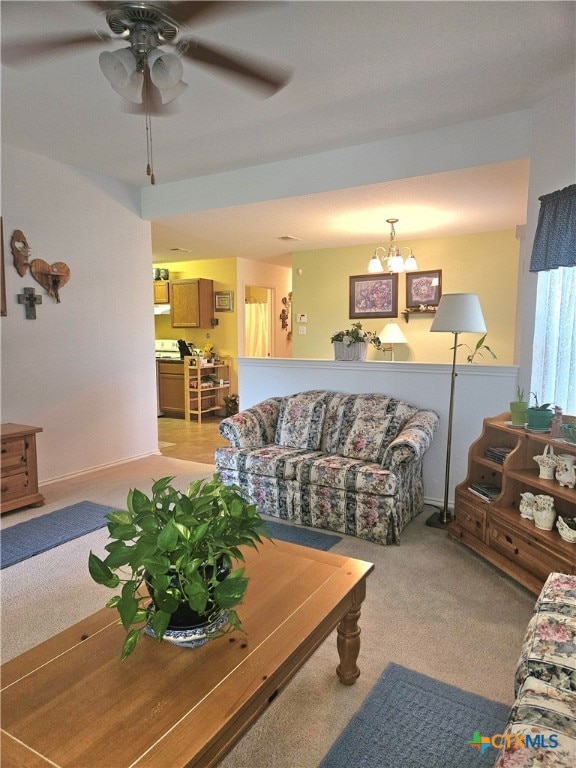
494,529
199,400
19,468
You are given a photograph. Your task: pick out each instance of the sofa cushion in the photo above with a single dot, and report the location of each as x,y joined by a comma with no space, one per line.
363,426
346,473
271,461
300,420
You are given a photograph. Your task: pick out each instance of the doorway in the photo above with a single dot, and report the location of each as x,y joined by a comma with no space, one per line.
258,337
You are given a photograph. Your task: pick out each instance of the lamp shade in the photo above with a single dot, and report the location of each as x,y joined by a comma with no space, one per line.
392,334
119,68
459,313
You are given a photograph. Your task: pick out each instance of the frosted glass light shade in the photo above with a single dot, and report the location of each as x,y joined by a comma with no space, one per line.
375,265
392,334
119,68
459,313
166,69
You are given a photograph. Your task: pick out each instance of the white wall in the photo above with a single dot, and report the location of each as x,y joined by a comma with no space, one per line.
84,369
480,391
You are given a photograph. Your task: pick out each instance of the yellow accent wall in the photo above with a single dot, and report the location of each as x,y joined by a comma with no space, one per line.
485,263
224,337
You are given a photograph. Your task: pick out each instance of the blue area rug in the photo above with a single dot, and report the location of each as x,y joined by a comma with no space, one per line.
410,720
307,537
24,540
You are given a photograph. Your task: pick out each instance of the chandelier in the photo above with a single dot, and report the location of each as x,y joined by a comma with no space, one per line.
393,260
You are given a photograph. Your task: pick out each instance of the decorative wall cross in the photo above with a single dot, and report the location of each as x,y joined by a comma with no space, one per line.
29,298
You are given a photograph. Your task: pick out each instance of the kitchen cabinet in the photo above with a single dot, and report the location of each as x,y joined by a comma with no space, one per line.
171,387
161,292
191,303
494,529
205,386
19,468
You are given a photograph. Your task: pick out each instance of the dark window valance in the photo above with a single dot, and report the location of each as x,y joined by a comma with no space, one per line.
555,240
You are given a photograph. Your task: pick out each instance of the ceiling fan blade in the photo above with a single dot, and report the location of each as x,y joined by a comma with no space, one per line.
191,12
269,77
22,52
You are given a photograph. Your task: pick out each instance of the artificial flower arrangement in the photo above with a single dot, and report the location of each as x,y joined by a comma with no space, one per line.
356,335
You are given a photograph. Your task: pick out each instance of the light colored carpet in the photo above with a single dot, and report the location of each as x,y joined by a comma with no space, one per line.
432,606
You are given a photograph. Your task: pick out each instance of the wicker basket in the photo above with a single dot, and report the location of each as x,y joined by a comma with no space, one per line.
567,533
355,351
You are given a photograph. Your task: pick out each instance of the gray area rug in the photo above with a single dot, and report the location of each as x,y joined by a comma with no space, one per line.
410,720
24,540
307,537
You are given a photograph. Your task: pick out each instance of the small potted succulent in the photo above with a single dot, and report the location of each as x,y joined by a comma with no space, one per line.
174,555
539,417
518,409
352,344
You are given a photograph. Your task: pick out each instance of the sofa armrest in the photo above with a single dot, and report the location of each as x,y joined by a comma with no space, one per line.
253,428
413,440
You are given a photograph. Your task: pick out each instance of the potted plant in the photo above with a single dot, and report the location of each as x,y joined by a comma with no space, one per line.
178,548
518,409
539,416
232,403
352,344
480,345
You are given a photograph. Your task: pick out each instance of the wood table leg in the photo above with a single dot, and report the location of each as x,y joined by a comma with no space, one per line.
348,639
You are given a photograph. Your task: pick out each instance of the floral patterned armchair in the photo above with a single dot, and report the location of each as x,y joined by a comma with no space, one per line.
345,462
545,684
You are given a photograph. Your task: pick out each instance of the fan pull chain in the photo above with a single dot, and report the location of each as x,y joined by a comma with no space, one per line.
149,153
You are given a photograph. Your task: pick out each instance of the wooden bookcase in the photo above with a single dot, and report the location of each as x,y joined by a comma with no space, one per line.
494,529
200,398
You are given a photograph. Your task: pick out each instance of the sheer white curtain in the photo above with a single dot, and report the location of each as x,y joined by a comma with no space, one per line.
554,363
256,332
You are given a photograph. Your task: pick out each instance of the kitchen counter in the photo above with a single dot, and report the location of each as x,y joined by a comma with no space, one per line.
170,386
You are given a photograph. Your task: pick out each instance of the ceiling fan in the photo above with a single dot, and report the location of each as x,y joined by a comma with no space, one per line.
142,72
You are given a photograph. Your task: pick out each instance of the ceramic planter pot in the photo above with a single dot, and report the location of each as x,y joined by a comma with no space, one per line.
518,411
539,420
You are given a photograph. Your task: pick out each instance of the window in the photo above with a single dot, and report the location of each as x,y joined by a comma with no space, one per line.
554,362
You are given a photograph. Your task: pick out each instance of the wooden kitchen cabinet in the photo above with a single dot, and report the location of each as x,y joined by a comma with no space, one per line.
161,292
171,387
19,467
494,529
191,303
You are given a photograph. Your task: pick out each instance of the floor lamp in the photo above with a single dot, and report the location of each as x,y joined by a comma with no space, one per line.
457,313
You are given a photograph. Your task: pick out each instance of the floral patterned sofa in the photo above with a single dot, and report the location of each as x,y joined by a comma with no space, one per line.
545,684
346,462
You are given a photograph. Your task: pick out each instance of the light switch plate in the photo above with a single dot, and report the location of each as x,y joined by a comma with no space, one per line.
302,330
302,318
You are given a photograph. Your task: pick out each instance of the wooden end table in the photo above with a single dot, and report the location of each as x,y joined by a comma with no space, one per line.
71,702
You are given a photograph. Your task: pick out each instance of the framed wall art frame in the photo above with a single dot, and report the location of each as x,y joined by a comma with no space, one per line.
373,296
423,289
223,301
3,310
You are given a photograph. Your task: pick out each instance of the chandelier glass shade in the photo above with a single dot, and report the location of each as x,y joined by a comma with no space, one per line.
391,259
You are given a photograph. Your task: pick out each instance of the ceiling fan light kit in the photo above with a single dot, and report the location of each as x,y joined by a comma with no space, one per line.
143,73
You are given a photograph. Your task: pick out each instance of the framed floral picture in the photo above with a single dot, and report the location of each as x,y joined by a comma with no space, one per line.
374,296
423,289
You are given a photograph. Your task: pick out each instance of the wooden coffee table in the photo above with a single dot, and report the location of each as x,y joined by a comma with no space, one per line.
71,702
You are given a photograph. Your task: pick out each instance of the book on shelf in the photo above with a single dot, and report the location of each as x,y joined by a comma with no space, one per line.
485,490
497,454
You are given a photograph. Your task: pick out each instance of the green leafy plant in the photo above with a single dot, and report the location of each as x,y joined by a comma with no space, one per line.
355,335
177,544
478,349
536,407
232,403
